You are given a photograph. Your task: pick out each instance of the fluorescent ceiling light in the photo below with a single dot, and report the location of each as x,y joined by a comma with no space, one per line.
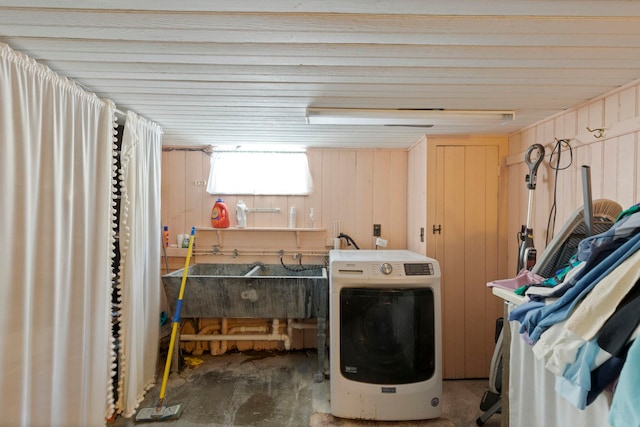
401,117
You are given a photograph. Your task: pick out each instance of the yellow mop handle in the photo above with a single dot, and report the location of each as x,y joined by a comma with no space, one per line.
176,318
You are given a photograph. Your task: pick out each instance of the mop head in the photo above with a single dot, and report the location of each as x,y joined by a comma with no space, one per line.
163,413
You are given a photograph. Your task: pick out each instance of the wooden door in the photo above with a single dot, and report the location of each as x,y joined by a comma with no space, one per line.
463,231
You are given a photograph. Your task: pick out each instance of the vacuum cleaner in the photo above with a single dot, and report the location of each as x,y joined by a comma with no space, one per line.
527,252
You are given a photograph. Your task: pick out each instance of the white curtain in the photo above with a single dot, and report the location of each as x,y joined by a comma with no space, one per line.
140,246
56,232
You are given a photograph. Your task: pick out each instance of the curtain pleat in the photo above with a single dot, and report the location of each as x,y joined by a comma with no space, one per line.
140,246
56,225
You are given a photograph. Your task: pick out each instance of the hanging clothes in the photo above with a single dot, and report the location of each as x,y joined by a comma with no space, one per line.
542,318
625,410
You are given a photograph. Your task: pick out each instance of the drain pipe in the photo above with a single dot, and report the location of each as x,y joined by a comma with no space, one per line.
291,325
282,337
224,330
217,348
206,330
273,336
261,329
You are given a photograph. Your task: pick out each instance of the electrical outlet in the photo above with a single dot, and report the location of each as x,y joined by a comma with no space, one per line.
377,230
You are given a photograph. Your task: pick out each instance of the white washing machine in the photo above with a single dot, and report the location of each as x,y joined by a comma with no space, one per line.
386,339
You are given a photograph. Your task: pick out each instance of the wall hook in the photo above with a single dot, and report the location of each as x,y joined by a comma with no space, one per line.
598,132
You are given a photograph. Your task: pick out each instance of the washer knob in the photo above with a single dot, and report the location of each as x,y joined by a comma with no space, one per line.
386,268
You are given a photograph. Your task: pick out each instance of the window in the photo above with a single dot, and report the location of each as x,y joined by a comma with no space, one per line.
259,172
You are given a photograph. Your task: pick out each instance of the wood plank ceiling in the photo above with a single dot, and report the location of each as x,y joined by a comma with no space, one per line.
244,72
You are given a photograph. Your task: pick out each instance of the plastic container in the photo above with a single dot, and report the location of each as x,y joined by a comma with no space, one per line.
292,217
219,215
241,214
165,236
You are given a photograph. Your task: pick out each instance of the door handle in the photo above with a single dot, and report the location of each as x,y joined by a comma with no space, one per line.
437,229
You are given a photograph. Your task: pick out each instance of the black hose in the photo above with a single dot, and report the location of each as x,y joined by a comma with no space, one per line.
302,268
348,239
556,153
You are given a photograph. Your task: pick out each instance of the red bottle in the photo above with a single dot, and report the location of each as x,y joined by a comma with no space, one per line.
219,215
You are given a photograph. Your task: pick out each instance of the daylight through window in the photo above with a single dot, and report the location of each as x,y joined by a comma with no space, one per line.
255,172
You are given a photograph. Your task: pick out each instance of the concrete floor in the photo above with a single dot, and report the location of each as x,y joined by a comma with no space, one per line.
276,389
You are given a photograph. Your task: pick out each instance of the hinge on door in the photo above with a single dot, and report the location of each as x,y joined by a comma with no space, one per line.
437,229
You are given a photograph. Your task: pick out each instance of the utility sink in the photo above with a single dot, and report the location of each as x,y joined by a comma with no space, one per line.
250,291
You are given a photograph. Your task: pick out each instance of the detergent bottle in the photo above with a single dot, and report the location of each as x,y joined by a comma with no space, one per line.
219,215
165,236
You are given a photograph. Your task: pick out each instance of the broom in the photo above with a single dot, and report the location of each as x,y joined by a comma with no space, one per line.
161,412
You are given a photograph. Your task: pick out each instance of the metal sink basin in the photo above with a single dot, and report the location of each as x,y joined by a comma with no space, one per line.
250,291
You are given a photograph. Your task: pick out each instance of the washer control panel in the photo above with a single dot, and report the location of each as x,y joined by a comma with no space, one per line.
400,269
386,268
419,269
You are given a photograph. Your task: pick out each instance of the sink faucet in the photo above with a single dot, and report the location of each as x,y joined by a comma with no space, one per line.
254,268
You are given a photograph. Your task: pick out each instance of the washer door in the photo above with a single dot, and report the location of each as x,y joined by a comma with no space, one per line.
387,335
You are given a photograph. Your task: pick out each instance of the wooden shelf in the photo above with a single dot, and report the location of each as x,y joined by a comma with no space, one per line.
258,229
297,231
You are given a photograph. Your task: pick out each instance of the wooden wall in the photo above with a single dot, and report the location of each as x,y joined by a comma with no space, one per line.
417,197
353,189
613,159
